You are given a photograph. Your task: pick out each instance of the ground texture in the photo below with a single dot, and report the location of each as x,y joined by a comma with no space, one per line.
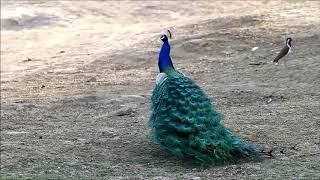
76,81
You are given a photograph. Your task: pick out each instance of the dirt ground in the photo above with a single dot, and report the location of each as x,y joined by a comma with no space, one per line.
76,78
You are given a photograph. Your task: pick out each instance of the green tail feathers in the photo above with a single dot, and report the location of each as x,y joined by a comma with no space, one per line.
185,123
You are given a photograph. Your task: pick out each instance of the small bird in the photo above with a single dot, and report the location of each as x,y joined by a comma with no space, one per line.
184,121
284,51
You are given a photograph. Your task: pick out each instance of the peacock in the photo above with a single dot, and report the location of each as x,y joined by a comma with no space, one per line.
184,121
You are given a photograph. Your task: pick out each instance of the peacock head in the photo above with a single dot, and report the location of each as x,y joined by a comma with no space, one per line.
164,37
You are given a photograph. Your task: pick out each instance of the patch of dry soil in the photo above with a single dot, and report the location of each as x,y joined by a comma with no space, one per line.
76,81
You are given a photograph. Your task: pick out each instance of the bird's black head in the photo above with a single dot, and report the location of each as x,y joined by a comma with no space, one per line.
288,41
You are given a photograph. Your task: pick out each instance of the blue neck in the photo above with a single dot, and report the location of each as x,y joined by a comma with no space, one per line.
164,58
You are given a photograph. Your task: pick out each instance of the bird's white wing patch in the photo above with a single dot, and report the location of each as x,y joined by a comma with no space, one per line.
290,50
160,78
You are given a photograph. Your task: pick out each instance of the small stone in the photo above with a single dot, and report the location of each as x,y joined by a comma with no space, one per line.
196,178
27,60
254,48
124,111
294,147
92,79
